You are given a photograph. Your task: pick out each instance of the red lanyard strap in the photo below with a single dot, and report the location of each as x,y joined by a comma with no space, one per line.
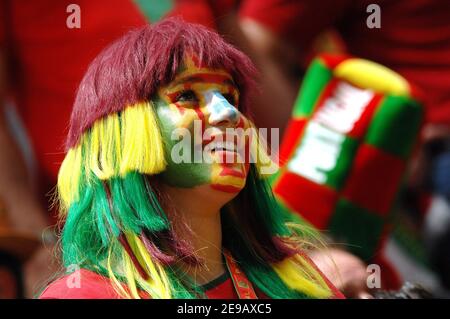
242,285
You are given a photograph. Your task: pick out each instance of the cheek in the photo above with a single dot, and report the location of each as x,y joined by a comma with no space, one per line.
192,118
179,117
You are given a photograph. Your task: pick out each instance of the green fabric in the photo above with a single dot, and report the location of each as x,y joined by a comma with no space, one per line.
337,176
316,78
356,227
154,10
395,126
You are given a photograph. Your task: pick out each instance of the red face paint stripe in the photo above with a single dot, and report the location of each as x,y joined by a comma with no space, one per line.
172,98
201,116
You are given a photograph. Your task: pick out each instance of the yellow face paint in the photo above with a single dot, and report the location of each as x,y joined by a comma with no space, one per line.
202,105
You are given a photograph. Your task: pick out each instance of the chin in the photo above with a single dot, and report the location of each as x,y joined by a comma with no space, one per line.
224,193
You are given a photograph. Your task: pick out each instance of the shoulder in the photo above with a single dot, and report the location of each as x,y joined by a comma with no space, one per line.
81,284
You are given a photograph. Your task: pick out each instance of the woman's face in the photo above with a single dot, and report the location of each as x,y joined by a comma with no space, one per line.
202,129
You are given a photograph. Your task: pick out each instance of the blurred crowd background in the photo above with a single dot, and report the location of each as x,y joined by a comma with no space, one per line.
44,54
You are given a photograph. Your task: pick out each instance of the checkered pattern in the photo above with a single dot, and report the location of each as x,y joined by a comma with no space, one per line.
346,182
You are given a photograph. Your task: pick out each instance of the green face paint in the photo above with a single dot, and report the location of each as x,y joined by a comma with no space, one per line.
184,174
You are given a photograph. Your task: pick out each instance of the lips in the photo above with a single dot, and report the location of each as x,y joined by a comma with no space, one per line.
225,148
220,142
229,171
222,146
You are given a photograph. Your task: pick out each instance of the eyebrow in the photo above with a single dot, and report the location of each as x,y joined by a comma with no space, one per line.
205,77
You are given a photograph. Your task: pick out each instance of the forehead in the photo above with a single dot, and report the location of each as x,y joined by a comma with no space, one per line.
192,71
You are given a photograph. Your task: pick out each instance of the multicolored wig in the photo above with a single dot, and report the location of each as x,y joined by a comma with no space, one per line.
115,223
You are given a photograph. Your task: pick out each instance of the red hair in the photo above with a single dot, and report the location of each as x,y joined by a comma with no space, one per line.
131,69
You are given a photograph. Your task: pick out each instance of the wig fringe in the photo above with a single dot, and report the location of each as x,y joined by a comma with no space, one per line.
113,147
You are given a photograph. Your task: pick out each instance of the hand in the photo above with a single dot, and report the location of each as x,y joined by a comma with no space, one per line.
40,269
346,271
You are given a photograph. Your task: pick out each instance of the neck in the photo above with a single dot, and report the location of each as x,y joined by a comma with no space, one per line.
200,211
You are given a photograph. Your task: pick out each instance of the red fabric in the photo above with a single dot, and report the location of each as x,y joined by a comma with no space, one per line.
314,202
95,286
195,11
362,124
331,61
205,12
91,286
3,19
374,179
291,139
224,290
327,91
52,60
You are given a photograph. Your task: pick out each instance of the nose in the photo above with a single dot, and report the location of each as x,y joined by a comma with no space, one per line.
221,112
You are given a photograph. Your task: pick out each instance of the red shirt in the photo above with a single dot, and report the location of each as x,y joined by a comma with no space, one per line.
94,286
85,284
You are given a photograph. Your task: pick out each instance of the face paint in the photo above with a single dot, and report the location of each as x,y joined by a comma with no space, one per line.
220,108
199,108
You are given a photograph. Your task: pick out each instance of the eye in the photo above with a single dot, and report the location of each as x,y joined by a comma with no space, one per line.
186,96
230,98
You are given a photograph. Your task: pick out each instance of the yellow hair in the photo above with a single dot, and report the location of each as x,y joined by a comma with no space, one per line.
69,178
298,274
114,146
156,285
